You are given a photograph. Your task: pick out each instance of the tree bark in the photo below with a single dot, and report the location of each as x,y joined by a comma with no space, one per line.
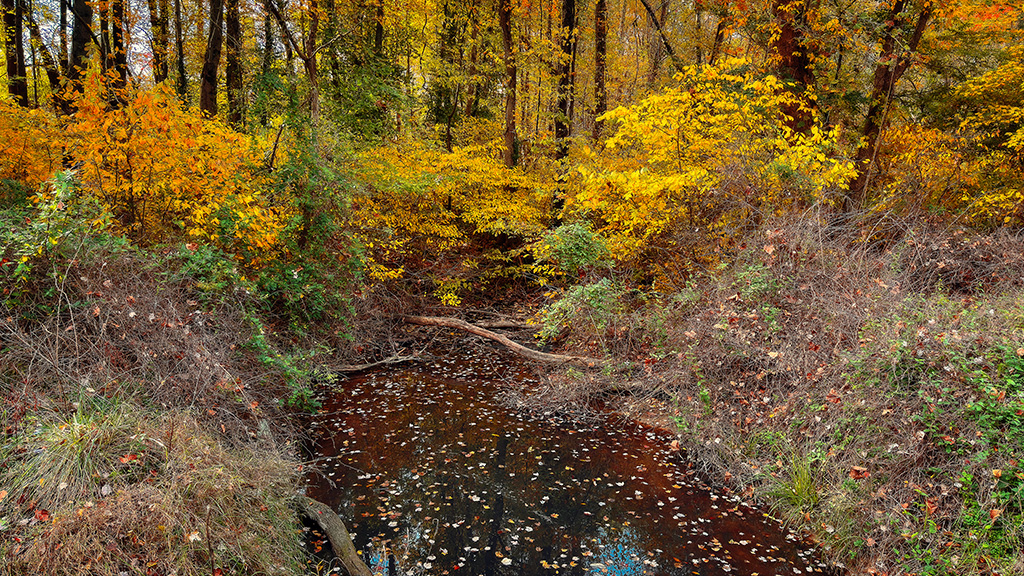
307,53
53,71
179,47
505,23
514,346
233,64
378,30
14,50
566,84
211,59
891,67
119,45
81,35
63,36
794,56
600,64
158,24
664,39
337,534
658,46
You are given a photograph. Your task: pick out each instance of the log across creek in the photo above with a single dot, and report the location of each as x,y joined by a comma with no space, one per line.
434,473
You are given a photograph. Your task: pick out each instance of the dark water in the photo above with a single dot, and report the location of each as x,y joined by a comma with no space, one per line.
433,475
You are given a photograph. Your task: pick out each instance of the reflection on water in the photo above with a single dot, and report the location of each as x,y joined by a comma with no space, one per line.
434,476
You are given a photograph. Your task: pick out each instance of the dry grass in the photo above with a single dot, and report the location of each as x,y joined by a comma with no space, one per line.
834,380
141,435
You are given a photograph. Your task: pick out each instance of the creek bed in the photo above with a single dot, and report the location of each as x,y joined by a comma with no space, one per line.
434,475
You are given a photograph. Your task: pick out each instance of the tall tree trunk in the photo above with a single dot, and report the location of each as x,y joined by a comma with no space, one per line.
233,65
211,59
600,63
53,71
63,36
179,47
505,23
794,58
473,90
81,35
158,24
661,33
14,49
307,53
716,46
378,30
890,68
119,45
566,84
309,62
104,43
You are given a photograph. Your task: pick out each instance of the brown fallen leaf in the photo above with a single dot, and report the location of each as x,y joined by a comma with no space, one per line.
859,473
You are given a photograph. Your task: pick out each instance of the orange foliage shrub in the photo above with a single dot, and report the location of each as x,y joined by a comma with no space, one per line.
30,144
165,173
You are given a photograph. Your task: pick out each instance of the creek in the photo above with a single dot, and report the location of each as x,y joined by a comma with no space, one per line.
434,474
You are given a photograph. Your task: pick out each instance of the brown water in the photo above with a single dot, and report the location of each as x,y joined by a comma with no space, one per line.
433,475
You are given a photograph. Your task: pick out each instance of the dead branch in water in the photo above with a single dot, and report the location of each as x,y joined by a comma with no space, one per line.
514,346
337,534
391,360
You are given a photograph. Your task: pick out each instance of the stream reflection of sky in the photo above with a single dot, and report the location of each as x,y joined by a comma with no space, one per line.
434,476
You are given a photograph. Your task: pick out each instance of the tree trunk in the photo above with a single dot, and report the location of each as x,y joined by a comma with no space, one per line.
716,46
473,90
600,63
309,48
119,46
657,48
158,24
378,30
566,84
211,59
794,57
179,47
63,36
505,22
891,67
233,64
81,35
14,49
661,33
53,71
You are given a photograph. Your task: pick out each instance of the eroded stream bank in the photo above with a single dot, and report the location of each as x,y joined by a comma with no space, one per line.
436,476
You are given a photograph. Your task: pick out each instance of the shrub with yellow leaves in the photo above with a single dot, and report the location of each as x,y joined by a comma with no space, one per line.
711,154
423,207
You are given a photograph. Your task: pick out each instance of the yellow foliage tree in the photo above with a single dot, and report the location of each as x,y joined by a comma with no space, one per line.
427,203
710,154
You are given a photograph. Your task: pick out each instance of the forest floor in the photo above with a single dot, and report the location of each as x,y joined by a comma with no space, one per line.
870,396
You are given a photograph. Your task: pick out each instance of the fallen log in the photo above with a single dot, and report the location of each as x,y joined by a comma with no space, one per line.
348,368
337,534
514,346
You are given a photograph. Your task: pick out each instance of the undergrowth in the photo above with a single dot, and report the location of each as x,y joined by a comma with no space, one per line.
145,397
870,393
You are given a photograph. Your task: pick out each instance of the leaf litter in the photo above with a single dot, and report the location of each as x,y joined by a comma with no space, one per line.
436,476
